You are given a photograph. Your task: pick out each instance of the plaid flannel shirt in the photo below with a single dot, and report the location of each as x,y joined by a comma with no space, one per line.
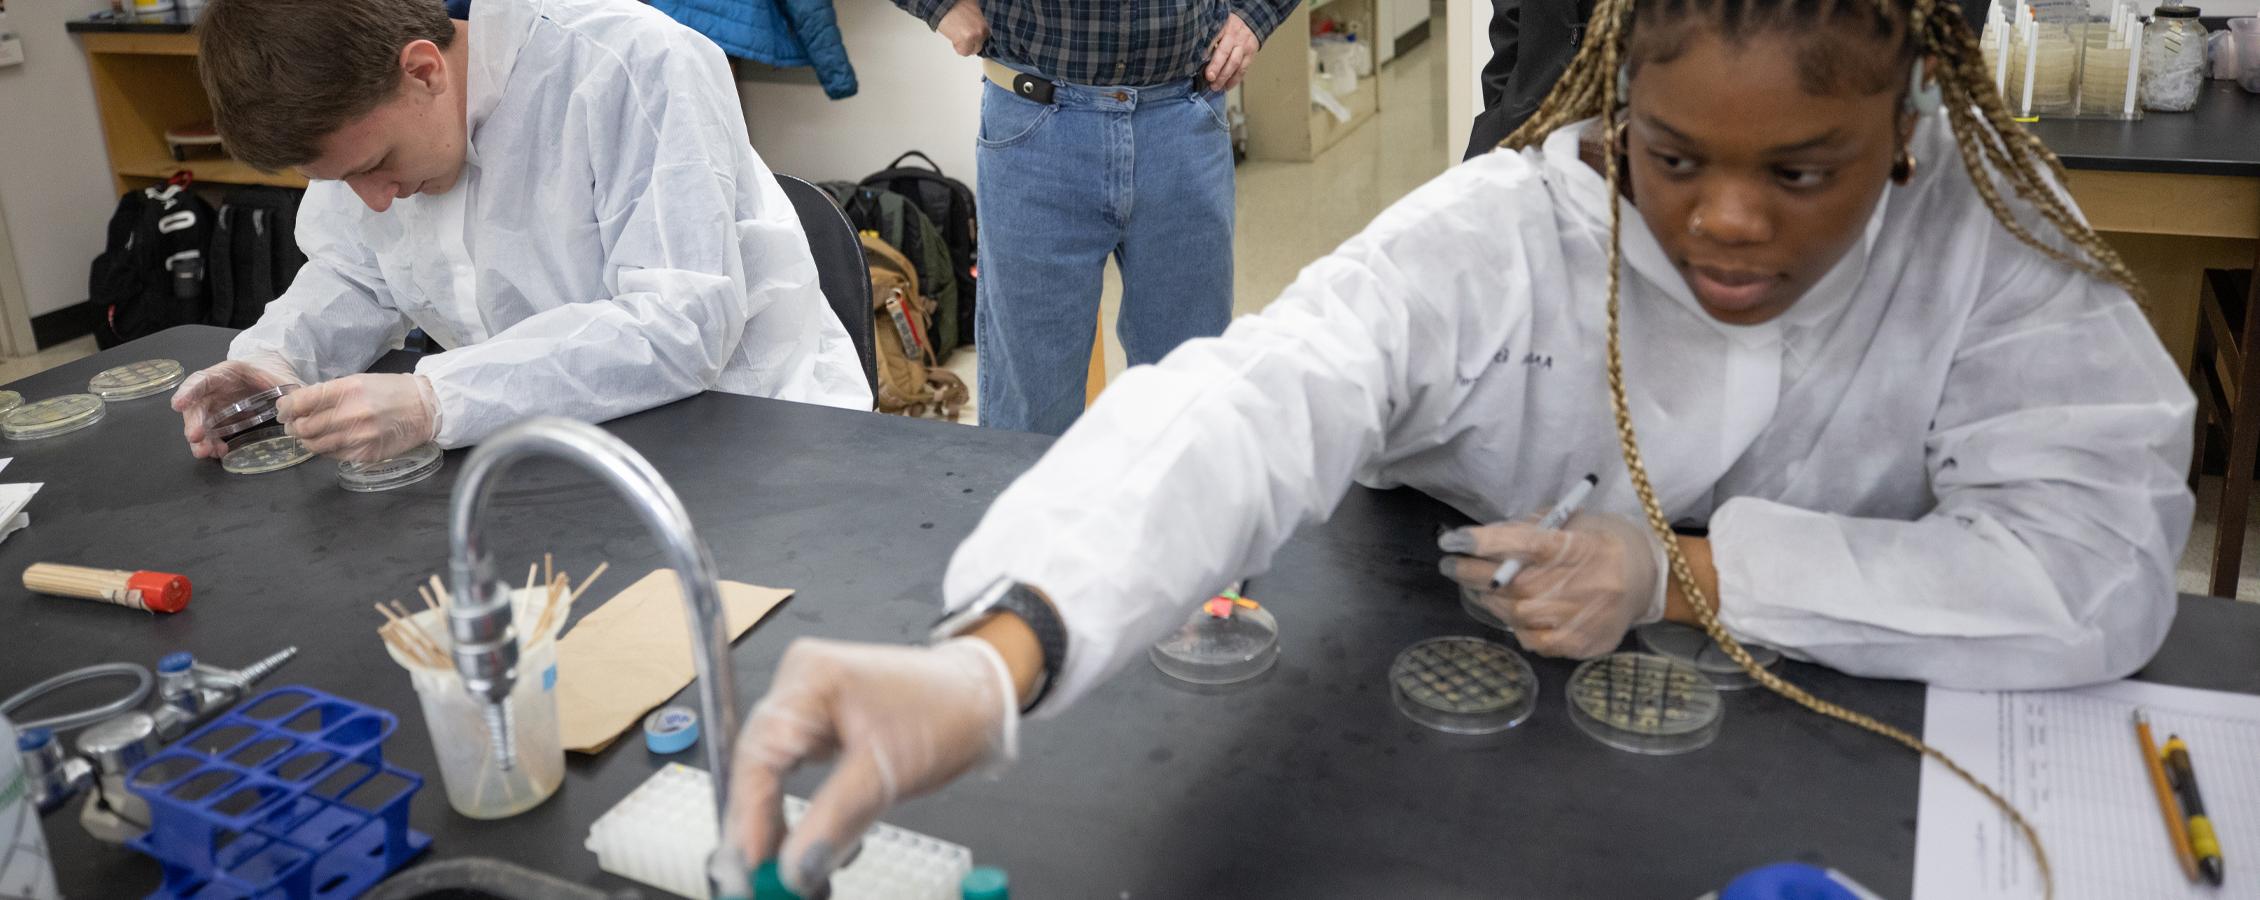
1108,42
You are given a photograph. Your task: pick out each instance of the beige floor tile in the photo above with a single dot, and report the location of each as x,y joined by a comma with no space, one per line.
14,367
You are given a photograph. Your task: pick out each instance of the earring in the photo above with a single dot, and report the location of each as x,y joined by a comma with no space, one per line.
1903,168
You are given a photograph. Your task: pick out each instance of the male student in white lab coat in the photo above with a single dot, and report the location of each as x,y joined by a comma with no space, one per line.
560,192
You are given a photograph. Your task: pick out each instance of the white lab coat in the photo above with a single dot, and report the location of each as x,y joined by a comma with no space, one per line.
614,242
1952,461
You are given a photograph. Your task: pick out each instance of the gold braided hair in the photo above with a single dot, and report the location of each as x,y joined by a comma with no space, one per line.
1991,145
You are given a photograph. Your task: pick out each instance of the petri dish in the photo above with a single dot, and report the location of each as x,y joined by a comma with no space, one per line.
249,412
1229,639
10,400
272,454
390,474
1644,703
1476,611
1690,645
1463,685
50,417
135,380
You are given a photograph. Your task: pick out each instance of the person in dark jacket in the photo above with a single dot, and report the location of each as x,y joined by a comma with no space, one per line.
1531,43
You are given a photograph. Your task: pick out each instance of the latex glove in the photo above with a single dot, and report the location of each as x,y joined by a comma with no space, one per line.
898,721
1229,55
966,27
362,418
1581,588
202,396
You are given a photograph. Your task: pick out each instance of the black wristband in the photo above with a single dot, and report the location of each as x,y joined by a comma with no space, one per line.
1032,609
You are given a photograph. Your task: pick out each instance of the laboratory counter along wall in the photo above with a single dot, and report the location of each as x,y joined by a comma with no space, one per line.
1304,783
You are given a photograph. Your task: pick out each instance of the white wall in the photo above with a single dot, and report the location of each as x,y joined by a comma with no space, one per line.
916,94
54,171
1467,34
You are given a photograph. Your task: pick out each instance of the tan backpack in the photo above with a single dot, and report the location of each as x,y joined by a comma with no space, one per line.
910,382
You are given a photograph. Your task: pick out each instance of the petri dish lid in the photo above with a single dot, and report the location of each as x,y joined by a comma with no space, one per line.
1690,645
272,454
50,417
390,474
10,400
1228,639
135,380
1644,703
1463,685
1476,611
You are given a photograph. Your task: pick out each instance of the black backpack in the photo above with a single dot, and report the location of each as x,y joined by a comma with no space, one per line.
254,253
949,203
151,276
898,222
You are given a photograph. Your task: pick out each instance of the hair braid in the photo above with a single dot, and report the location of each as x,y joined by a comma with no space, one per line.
1993,148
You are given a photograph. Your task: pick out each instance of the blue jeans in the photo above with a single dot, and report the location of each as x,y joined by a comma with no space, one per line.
1142,174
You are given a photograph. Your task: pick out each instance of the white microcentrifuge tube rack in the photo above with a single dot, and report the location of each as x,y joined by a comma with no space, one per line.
662,833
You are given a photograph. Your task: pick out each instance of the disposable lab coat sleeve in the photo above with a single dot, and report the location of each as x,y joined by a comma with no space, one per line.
1191,473
337,317
2058,459
689,262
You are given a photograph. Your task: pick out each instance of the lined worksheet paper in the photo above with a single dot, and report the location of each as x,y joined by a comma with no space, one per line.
2069,760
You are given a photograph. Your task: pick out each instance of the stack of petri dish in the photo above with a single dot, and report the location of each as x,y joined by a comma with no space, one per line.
256,442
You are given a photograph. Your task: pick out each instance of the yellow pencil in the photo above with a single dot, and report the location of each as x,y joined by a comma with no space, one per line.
2175,832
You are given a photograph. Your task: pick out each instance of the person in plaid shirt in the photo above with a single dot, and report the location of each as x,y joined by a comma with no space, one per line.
1103,133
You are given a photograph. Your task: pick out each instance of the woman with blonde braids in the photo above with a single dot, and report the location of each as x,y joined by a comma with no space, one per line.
1865,343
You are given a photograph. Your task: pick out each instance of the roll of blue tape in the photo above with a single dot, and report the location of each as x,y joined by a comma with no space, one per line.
670,729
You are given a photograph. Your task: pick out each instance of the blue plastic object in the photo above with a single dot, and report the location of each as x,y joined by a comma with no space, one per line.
285,796
34,739
672,729
1794,881
175,662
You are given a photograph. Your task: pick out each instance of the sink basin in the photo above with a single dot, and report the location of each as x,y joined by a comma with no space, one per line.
484,879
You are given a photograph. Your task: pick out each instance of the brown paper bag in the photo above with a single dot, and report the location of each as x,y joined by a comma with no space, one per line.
634,652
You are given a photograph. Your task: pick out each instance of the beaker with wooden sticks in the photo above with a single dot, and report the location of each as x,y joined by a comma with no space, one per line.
477,784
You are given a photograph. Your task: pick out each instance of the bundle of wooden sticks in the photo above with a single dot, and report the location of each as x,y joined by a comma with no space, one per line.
418,645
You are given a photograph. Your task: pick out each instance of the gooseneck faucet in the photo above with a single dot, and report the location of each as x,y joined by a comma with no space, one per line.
479,619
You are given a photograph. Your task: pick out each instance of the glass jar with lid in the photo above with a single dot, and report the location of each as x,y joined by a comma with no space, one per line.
2173,59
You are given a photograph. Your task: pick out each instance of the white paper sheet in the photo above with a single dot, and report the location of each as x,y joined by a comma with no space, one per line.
2069,760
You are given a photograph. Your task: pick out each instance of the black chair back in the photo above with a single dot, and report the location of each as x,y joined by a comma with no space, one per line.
840,270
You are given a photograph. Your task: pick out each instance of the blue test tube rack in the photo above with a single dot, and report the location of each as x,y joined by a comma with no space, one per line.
286,796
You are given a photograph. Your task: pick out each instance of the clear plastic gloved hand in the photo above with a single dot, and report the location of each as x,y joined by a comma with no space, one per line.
1581,588
362,418
202,396
896,721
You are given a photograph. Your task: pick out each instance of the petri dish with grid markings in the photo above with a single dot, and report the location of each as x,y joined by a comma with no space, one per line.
272,454
390,474
1690,645
1644,703
1226,641
50,417
1463,685
135,380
